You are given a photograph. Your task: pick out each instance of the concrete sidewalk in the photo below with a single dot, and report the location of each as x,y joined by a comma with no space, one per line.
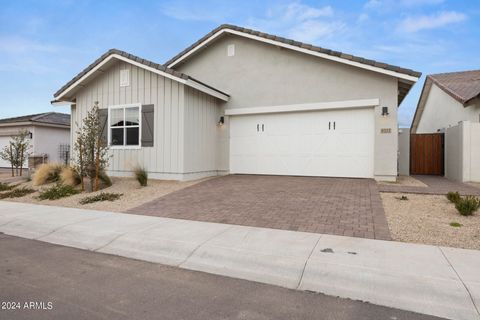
439,281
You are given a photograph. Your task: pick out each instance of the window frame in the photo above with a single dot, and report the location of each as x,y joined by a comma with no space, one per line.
124,146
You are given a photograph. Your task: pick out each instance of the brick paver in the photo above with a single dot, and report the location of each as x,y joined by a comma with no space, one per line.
350,207
436,185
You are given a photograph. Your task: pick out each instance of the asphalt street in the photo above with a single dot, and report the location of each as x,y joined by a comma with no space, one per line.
44,281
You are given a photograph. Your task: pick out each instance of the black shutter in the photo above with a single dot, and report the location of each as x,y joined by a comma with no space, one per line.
103,117
147,125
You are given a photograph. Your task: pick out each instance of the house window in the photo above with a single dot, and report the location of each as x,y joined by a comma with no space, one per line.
124,126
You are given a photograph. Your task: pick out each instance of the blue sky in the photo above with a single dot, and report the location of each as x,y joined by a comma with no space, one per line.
43,44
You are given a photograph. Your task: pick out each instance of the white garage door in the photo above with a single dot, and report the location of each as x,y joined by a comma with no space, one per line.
317,143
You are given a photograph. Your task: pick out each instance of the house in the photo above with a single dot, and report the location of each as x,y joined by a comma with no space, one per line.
449,111
242,101
49,135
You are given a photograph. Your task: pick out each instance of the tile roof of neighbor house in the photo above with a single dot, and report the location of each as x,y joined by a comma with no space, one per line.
134,58
463,86
54,118
301,45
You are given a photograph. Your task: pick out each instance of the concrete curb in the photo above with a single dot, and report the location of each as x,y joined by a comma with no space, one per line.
444,282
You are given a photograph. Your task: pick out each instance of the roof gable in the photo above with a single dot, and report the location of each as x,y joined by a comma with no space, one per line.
463,86
372,65
116,54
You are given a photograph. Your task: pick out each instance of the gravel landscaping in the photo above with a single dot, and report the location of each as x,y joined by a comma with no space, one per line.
406,181
133,194
426,219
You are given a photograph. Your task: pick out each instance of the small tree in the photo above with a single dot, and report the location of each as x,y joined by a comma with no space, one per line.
90,151
17,151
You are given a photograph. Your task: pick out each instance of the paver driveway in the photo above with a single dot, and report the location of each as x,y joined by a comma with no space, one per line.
350,207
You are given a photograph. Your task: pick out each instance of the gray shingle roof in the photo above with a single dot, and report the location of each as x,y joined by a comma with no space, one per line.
134,58
301,45
55,118
463,86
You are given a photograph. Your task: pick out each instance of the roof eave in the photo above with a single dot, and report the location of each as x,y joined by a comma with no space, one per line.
399,72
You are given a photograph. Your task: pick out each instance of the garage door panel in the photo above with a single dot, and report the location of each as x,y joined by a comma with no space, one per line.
302,144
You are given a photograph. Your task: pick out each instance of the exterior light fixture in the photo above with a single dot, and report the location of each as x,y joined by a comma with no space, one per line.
30,134
385,111
221,121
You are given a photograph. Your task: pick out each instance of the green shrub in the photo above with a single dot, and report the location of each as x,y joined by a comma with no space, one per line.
56,192
142,176
17,193
453,197
103,196
5,186
466,206
455,224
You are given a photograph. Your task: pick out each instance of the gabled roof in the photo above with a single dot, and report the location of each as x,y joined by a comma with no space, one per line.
341,57
52,118
463,86
147,64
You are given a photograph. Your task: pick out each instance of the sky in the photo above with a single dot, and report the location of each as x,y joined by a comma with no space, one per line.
43,44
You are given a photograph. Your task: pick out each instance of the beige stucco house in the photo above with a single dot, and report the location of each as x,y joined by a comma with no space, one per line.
450,104
242,101
49,135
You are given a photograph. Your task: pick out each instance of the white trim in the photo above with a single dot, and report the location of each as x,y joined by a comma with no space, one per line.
348,104
207,90
299,49
189,82
109,127
56,103
33,123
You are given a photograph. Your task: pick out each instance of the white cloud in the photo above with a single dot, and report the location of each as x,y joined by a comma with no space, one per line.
414,24
390,4
300,11
15,45
312,30
300,22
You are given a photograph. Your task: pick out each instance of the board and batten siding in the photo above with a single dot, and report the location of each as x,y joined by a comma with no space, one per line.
188,142
205,140
165,159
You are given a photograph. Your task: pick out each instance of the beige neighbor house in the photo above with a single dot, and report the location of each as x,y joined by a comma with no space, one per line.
450,105
242,101
49,135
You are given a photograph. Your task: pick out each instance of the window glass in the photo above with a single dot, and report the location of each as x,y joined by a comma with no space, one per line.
117,136
131,116
132,136
116,117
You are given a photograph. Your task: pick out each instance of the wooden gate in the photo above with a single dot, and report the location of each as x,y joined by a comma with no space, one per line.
426,154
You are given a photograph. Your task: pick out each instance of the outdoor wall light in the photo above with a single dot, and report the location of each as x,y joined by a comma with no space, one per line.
384,111
221,121
30,134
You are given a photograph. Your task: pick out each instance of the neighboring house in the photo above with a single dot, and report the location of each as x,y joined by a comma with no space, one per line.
49,134
450,106
261,105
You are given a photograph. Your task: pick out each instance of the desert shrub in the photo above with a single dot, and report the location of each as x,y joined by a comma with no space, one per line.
455,224
105,179
69,177
5,186
453,197
16,193
141,175
103,196
466,206
56,192
47,172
